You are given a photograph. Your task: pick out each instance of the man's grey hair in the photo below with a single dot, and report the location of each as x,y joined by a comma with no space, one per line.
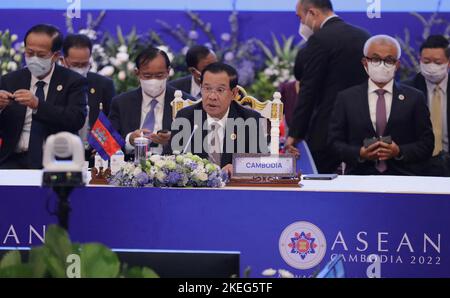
383,39
324,5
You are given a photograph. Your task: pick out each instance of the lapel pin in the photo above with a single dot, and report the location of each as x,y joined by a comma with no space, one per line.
92,90
233,136
59,88
401,97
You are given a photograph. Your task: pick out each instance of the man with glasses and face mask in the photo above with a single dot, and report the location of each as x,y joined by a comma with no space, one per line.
39,100
381,127
331,58
434,83
146,110
197,58
77,51
217,137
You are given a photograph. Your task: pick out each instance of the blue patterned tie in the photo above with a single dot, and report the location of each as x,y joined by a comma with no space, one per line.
37,133
149,121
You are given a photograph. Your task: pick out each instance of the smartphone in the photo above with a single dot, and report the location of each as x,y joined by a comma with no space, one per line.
386,139
320,177
369,141
163,131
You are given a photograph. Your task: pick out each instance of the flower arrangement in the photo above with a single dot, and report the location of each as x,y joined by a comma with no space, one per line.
179,170
245,55
11,52
279,66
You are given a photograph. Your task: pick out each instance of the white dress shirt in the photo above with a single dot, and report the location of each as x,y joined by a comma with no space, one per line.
195,88
159,113
221,130
373,98
443,90
24,139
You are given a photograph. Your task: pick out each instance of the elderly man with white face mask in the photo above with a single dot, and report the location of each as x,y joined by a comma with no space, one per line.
433,81
381,127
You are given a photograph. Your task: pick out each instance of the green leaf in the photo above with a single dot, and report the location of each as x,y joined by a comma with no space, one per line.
98,261
37,261
58,247
137,272
21,270
11,258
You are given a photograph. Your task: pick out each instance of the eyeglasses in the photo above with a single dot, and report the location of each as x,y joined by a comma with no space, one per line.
376,61
208,90
158,76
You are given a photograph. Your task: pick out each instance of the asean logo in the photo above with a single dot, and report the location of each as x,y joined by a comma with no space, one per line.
302,245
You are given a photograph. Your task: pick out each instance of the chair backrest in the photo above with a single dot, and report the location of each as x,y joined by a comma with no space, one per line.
270,109
305,164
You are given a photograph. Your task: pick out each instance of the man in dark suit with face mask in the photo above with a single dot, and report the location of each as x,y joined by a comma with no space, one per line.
39,100
147,109
381,127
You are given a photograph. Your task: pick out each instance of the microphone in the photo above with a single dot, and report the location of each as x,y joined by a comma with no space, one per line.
190,138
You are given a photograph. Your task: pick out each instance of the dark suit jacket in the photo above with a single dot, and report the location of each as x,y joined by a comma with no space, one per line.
125,114
236,111
100,90
419,83
183,84
331,62
409,126
63,110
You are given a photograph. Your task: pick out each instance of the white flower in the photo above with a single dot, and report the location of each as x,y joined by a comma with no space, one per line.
2,50
107,71
184,50
225,36
269,272
115,62
128,168
193,34
123,49
4,72
285,274
160,176
268,72
122,75
229,56
12,52
154,158
285,73
160,163
171,72
137,171
12,66
201,176
89,33
17,57
130,66
13,37
122,57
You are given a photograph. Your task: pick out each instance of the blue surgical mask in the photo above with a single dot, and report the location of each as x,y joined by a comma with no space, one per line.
39,66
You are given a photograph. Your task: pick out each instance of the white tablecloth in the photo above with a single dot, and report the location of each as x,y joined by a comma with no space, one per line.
379,184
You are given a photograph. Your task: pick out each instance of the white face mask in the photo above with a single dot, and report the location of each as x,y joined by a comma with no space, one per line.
380,73
433,72
305,32
82,71
39,66
153,87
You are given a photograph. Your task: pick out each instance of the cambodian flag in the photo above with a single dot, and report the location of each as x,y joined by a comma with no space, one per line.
104,138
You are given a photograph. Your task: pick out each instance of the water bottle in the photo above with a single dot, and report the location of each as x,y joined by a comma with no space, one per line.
117,161
140,149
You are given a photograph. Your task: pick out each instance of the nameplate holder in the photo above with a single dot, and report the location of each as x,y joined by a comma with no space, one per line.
264,170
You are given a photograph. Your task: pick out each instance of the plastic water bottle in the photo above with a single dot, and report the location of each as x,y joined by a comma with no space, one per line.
117,161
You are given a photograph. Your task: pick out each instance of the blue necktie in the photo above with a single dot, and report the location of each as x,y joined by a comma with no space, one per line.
149,121
37,133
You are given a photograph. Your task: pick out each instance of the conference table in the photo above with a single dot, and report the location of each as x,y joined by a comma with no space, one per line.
403,221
